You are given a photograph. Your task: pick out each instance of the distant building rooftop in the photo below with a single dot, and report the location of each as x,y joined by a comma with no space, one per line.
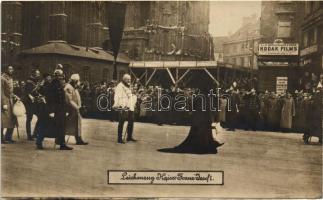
249,30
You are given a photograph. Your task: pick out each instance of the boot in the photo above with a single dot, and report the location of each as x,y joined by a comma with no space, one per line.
79,141
8,136
65,147
39,146
131,140
120,141
3,141
10,141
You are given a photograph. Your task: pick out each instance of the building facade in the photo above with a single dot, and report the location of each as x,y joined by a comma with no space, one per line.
278,51
218,48
153,30
240,49
43,34
281,20
311,45
31,24
168,30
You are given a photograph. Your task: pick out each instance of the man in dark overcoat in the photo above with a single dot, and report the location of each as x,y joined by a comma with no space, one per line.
56,101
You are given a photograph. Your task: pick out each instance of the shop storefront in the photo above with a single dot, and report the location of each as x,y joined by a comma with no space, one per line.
278,65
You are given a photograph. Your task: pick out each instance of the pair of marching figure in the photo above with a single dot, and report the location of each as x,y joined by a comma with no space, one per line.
62,113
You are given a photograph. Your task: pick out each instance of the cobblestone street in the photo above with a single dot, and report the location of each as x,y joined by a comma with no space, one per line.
255,164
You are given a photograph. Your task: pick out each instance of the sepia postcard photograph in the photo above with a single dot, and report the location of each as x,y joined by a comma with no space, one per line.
161,99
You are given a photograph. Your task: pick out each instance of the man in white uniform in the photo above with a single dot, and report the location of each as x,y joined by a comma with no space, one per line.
124,102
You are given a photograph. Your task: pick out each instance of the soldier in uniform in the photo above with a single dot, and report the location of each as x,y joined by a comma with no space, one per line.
253,110
8,120
43,110
235,104
31,96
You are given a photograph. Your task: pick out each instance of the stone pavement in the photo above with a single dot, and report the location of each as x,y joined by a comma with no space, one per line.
255,164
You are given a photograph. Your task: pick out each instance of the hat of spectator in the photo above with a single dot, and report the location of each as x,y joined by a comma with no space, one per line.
58,72
75,77
8,67
33,71
59,66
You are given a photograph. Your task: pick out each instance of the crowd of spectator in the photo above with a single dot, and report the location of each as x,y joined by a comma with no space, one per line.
298,111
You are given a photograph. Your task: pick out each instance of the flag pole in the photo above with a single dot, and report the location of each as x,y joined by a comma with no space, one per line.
114,69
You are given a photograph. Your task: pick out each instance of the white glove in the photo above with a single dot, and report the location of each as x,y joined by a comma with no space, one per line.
32,98
16,98
51,114
5,107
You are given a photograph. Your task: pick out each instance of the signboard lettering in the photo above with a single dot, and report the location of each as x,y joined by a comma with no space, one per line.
281,84
290,49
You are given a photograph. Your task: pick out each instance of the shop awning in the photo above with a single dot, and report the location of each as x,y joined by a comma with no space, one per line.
277,58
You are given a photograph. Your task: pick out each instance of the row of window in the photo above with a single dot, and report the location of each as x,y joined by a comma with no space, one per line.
284,27
310,37
235,48
245,61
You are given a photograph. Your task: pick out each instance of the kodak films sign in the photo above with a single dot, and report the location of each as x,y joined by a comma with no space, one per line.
288,49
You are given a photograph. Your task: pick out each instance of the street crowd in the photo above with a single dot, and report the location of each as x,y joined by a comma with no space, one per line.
249,109
59,105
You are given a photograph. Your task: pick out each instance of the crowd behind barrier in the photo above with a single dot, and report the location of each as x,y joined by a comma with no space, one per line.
61,102
297,112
